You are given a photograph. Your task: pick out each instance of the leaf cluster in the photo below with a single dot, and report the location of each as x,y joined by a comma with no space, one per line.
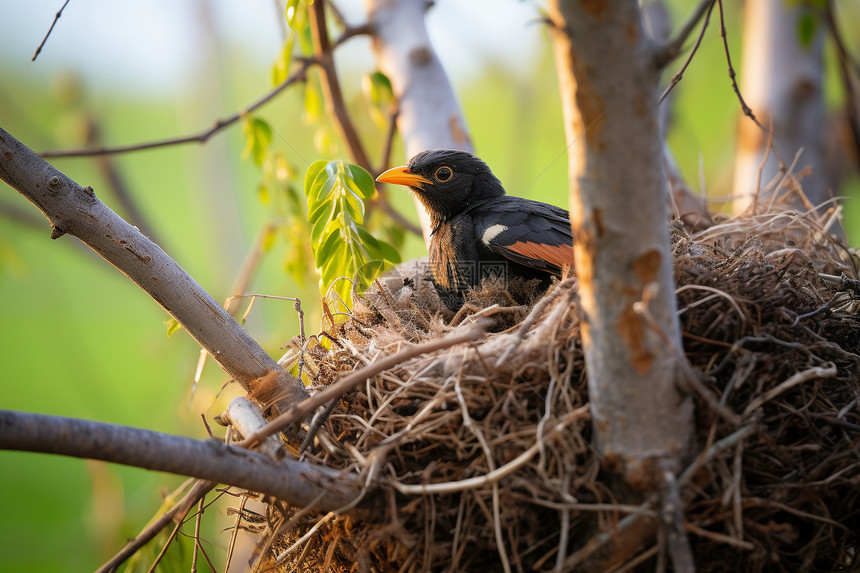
342,247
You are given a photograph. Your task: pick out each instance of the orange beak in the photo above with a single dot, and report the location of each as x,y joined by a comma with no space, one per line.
402,176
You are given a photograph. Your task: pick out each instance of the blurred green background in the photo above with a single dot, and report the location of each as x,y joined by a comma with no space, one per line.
78,339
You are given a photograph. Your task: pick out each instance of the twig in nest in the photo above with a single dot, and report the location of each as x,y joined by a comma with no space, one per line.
536,313
825,307
716,292
615,534
799,378
718,537
716,449
283,554
496,475
303,408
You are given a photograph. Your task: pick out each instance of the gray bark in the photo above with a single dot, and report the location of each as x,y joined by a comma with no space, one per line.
298,483
75,210
608,77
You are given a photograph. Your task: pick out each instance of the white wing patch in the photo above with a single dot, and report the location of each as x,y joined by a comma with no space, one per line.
492,232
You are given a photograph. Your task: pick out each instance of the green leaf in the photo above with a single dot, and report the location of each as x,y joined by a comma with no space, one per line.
318,228
389,253
377,86
291,12
263,193
258,137
329,245
342,247
281,67
807,26
313,103
172,326
360,181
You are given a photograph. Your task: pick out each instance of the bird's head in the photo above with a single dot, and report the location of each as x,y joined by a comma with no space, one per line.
446,181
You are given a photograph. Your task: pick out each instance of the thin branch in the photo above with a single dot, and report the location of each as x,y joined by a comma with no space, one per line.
175,513
201,137
298,483
381,199
330,83
827,371
75,210
389,139
680,73
845,69
350,32
744,107
353,379
166,545
672,48
51,29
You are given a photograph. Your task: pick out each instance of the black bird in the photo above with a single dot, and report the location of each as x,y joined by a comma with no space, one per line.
478,230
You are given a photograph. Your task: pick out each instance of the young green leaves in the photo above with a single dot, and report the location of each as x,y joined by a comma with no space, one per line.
342,247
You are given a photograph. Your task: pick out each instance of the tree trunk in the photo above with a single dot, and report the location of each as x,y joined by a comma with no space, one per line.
608,77
429,116
781,81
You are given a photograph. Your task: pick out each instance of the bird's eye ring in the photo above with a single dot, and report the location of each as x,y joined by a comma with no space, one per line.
443,174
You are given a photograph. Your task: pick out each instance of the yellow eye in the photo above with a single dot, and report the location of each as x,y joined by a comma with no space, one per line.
443,174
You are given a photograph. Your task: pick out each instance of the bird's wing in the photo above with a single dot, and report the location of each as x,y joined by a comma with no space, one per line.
528,232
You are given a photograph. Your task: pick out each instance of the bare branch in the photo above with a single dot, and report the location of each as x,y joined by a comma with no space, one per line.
201,137
846,67
744,107
51,29
298,483
350,32
680,73
75,210
672,48
175,513
331,86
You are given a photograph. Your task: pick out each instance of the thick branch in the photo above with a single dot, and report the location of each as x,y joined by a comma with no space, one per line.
429,116
72,209
298,483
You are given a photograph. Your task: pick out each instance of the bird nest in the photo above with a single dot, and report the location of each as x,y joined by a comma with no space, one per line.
483,453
